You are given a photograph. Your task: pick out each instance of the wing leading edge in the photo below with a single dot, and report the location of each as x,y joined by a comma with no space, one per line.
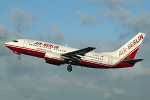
75,54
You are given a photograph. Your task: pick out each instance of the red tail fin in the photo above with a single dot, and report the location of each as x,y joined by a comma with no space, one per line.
129,50
131,55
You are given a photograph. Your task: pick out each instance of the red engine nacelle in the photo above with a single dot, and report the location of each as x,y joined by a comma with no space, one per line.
53,58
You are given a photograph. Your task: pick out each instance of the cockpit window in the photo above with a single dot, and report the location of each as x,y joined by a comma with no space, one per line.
15,41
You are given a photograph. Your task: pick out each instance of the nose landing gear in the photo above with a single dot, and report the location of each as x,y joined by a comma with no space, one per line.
19,57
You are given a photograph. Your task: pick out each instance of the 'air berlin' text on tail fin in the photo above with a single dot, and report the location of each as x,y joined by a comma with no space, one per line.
129,50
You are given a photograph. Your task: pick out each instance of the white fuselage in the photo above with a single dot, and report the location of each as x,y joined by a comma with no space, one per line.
58,54
38,49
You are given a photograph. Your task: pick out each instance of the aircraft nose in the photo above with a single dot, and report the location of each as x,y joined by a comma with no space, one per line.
7,44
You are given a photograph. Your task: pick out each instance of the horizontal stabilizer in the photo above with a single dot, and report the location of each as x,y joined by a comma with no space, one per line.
132,62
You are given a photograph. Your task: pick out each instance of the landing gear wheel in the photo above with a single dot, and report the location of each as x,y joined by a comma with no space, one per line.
19,57
69,68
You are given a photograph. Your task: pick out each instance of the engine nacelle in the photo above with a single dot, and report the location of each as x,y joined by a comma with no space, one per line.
53,58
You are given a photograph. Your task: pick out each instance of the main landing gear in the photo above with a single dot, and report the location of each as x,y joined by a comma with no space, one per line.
69,68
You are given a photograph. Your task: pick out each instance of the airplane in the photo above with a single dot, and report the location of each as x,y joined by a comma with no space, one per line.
58,54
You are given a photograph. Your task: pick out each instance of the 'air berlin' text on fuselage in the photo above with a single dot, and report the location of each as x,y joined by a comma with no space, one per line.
46,45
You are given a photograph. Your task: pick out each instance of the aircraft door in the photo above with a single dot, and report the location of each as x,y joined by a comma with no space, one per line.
25,43
110,61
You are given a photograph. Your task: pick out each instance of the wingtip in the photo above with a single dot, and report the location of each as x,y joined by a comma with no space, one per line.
92,47
141,59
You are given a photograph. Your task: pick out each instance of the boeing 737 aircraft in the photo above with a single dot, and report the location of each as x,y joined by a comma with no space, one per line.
57,54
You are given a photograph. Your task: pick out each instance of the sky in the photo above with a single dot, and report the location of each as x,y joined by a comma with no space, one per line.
104,24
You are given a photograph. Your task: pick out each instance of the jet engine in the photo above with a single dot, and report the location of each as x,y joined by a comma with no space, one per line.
53,58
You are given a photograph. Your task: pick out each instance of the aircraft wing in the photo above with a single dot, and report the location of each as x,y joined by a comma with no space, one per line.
76,54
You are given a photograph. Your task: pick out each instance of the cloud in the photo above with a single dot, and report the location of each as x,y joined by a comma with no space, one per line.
140,23
114,91
87,19
113,3
118,10
117,13
129,73
56,34
26,79
115,9
21,20
109,3
52,34
123,36
135,2
4,32
88,85
106,95
119,91
4,37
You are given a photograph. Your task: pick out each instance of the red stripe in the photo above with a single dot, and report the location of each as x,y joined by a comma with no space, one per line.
28,51
127,55
88,63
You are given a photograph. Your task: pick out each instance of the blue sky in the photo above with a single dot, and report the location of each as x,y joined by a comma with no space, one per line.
105,24
64,15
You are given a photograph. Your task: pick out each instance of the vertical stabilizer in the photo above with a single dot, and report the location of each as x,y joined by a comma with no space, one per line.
129,50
